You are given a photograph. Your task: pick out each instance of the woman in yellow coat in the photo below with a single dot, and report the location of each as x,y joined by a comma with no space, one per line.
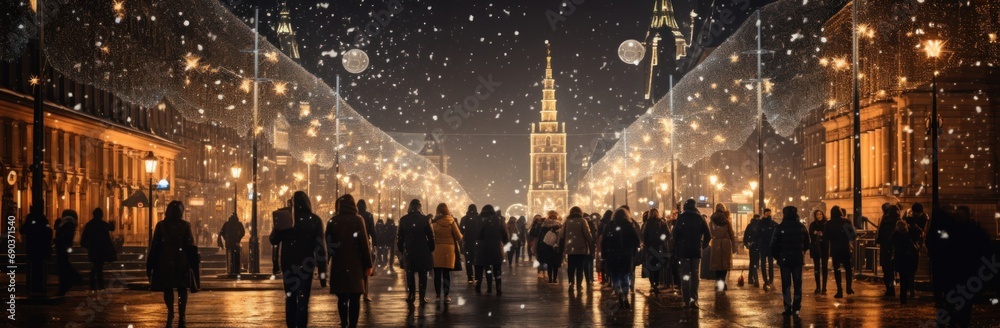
447,237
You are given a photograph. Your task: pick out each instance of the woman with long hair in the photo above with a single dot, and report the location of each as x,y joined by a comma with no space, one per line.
549,254
350,259
447,237
723,244
819,250
655,237
167,265
490,241
619,243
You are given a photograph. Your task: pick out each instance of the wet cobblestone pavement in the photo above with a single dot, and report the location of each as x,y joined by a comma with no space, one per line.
526,302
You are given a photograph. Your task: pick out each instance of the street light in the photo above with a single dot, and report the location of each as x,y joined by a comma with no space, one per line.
712,179
235,170
150,162
934,48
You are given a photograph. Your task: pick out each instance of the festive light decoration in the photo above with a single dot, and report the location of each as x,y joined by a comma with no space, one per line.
631,52
355,61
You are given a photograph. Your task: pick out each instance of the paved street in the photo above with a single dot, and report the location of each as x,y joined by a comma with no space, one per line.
525,302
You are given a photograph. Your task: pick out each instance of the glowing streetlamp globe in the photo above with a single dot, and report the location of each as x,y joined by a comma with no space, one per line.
355,61
631,52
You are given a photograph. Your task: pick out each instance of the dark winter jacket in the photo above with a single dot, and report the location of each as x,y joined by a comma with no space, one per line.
369,221
886,227
750,235
839,235
765,230
904,249
302,245
416,242
380,233
619,244
96,238
232,232
65,231
38,236
575,237
490,238
168,264
468,226
818,247
348,248
690,235
549,255
790,242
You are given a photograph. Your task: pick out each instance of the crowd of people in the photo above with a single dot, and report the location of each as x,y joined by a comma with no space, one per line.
675,251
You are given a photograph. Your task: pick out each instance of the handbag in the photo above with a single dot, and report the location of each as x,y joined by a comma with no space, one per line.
458,257
551,239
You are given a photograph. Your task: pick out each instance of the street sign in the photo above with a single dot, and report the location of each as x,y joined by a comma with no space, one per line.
744,208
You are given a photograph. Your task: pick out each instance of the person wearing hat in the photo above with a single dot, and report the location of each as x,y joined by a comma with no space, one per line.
789,245
416,245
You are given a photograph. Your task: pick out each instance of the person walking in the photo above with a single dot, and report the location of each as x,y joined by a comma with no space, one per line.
602,272
691,235
349,250
840,234
416,245
723,245
515,242
576,240
232,233
549,254
619,244
380,248
819,251
468,227
765,230
789,244
37,235
447,239
391,231
362,208
904,247
917,219
522,236
533,231
65,231
168,263
96,238
490,240
655,238
302,250
883,238
750,243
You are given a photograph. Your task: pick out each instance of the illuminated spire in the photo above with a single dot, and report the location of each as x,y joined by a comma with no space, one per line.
663,15
548,90
286,34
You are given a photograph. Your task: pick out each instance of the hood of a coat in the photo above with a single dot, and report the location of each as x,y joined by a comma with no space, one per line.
720,218
362,206
346,206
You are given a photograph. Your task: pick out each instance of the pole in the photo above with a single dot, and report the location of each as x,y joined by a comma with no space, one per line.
38,133
760,119
254,240
856,106
150,225
935,126
336,119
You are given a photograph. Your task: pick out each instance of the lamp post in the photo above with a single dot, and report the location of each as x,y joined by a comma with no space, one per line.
150,162
933,48
759,81
235,170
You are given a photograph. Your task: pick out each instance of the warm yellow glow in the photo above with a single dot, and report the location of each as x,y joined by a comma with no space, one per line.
734,58
840,64
34,80
713,179
245,85
119,8
280,87
271,56
753,185
191,62
933,48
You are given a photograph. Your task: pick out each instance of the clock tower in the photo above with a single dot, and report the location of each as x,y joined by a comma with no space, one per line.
547,188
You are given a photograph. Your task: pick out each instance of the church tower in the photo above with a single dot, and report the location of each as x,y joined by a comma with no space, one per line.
547,188
662,57
286,35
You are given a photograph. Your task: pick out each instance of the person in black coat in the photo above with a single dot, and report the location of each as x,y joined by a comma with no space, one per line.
380,253
232,233
549,255
619,244
522,235
490,240
789,244
840,235
750,242
65,231
655,236
96,238
468,224
168,264
886,228
691,236
765,230
302,249
958,249
38,239
416,244
391,230
819,250
370,231
905,249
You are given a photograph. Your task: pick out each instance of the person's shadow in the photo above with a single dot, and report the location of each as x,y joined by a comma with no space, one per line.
791,321
416,315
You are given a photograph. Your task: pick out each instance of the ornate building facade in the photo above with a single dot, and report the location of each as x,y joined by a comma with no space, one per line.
547,188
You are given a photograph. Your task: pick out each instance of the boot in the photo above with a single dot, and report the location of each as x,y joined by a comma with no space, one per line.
489,286
479,287
180,309
850,291
499,291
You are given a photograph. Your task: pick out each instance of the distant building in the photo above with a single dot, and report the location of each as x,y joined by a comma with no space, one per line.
547,188
662,56
434,151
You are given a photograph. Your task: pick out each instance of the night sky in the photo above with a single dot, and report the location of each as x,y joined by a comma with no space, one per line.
432,54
